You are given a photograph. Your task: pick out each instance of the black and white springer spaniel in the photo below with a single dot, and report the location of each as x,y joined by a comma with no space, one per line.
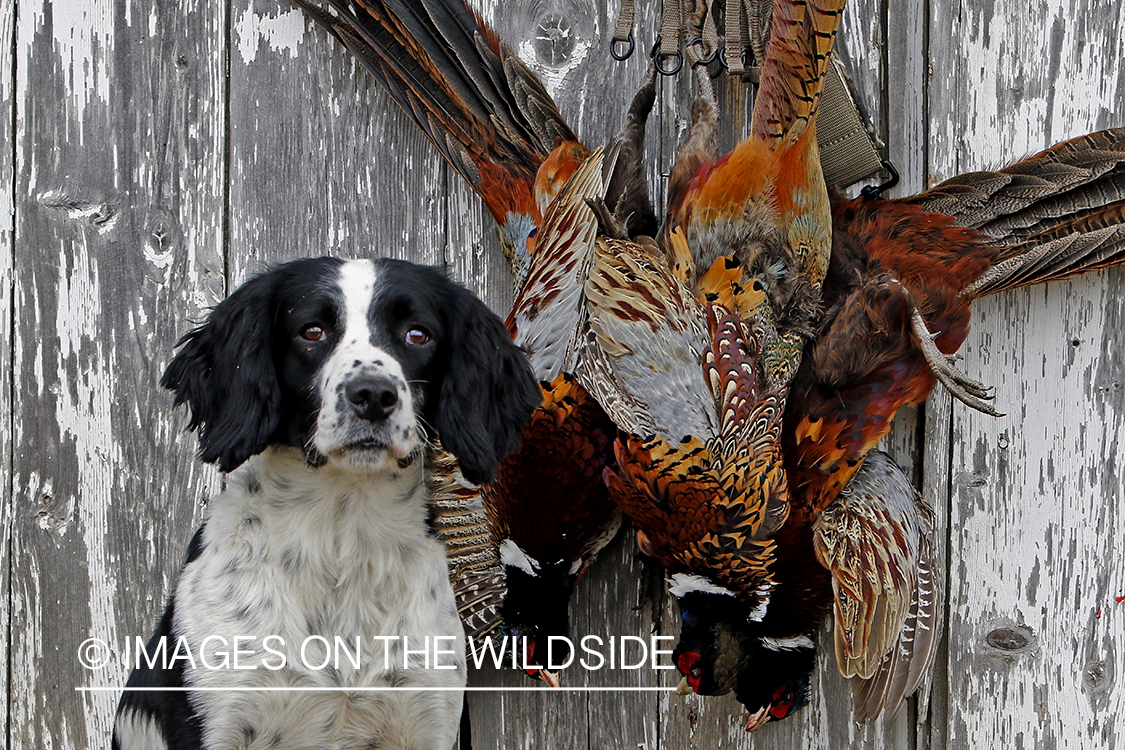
314,384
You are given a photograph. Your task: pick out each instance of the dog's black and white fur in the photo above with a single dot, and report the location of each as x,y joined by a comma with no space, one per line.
313,384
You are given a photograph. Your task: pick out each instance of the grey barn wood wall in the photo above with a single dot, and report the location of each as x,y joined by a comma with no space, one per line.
159,152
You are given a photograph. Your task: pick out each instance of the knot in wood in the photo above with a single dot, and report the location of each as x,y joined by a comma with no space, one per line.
1097,674
555,39
1010,639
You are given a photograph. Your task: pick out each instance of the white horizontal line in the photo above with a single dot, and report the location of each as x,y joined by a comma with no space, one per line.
373,689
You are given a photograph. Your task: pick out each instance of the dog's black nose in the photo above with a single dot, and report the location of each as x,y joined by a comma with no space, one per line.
372,398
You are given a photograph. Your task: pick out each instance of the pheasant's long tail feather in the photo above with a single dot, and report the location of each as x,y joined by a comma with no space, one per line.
1053,215
458,518
1086,241
801,39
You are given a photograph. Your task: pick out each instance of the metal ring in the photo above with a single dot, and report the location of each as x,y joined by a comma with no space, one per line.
714,53
747,56
679,64
627,54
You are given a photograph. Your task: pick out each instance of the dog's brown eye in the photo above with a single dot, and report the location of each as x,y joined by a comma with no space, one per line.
314,333
417,336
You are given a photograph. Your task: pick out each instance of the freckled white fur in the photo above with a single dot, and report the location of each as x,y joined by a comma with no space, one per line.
335,551
511,555
137,730
336,424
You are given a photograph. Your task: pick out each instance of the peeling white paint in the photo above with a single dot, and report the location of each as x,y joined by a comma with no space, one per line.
158,258
553,78
83,40
1035,533
282,33
84,410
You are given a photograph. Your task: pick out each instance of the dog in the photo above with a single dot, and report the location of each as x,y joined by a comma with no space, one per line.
315,385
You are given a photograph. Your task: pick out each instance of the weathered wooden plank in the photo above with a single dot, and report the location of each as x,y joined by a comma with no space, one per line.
907,73
1037,515
937,448
863,47
1036,497
472,247
321,160
118,229
119,206
7,261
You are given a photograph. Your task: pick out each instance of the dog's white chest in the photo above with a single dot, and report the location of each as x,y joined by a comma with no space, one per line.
311,580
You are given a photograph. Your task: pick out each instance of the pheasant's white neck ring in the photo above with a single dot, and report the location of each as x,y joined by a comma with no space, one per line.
512,556
792,643
685,583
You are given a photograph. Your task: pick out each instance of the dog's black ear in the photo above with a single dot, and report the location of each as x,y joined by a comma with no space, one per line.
488,392
224,371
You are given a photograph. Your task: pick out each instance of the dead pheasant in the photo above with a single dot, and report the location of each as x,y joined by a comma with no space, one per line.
547,510
900,270
698,470
765,202
857,538
693,352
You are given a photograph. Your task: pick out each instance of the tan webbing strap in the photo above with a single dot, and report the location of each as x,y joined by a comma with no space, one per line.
624,28
737,31
694,55
671,26
707,29
847,153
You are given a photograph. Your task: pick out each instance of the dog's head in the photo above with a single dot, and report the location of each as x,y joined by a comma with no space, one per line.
351,361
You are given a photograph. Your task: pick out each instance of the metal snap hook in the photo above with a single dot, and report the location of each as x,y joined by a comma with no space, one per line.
876,191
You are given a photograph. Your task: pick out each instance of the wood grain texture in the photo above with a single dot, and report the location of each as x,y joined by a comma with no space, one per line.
7,268
905,123
143,186
321,160
119,206
1036,497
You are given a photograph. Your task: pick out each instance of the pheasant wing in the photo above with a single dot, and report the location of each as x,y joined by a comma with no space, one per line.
869,539
1076,175
650,334
546,319
907,666
1053,215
